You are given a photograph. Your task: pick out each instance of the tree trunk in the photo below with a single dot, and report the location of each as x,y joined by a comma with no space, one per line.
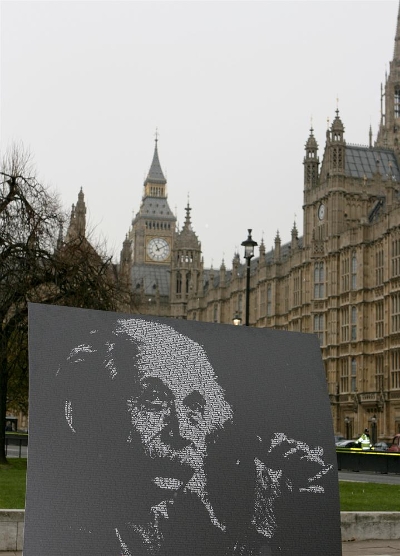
3,395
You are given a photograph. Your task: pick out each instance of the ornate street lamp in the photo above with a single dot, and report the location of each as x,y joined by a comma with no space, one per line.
237,321
248,245
347,423
373,430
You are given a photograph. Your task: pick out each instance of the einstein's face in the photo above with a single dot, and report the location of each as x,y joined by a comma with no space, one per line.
177,404
170,418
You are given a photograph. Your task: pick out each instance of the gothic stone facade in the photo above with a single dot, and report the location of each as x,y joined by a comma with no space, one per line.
340,280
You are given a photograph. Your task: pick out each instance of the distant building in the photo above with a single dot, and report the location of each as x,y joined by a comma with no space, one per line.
340,280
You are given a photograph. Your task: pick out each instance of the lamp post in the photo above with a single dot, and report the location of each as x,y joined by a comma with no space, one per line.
248,245
373,430
347,423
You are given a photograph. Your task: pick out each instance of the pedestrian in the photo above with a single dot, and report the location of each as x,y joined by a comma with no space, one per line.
365,440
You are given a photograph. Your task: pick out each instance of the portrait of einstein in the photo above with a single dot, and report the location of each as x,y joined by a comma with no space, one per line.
166,439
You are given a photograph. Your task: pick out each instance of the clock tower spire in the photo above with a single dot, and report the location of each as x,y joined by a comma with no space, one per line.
152,237
155,182
153,227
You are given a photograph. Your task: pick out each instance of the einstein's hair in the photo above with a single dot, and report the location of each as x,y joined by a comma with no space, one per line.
131,349
161,349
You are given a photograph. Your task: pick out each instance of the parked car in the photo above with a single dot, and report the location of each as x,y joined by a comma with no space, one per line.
339,438
395,446
380,447
348,444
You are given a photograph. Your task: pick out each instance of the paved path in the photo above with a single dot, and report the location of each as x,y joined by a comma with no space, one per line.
371,548
370,477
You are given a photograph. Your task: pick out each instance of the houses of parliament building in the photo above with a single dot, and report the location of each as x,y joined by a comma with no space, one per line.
339,280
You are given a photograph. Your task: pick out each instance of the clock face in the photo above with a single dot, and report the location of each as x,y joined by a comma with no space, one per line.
158,249
321,212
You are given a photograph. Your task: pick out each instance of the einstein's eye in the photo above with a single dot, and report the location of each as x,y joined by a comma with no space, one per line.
155,395
195,402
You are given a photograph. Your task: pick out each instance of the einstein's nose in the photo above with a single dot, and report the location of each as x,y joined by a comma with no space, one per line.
171,433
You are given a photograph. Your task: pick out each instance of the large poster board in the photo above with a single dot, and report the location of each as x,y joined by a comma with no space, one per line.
176,438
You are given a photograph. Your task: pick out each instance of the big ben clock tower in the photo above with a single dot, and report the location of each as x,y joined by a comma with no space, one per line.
152,236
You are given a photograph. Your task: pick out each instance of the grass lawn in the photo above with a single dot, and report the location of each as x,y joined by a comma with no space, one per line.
361,497
12,484
369,497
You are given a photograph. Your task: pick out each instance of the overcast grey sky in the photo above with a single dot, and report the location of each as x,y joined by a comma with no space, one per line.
231,87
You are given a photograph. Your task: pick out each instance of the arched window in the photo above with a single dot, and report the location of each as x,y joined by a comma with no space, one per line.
397,102
269,300
215,312
319,327
344,375
319,279
353,323
188,278
353,374
178,282
353,271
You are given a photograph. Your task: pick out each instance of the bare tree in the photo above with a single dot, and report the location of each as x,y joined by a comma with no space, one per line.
36,266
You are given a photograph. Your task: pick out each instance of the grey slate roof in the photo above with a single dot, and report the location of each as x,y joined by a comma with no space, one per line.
155,174
156,207
151,276
367,161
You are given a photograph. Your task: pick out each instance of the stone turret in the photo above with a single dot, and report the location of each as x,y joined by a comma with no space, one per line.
77,223
295,238
311,162
336,147
277,250
185,267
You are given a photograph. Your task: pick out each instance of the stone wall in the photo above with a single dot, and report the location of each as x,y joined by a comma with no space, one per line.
364,526
358,526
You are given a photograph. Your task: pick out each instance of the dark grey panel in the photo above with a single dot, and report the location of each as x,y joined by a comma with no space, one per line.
176,438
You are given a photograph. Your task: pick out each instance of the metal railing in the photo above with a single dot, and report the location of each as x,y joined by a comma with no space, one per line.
380,462
18,440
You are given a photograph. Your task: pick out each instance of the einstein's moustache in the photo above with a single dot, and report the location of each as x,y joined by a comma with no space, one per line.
189,455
